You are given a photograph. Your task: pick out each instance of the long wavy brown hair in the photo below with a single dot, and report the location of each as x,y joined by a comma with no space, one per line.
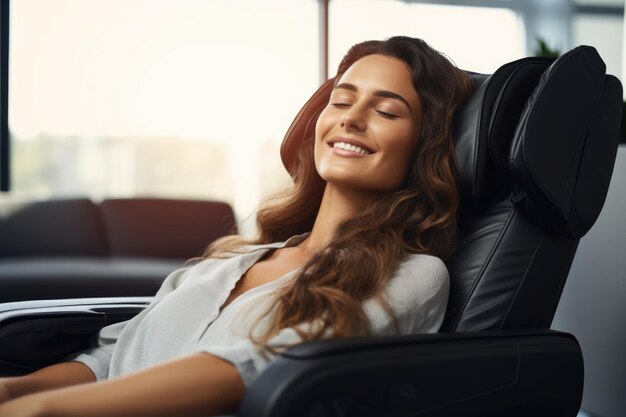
366,249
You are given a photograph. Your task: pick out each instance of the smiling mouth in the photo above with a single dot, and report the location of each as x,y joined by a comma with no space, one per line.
350,147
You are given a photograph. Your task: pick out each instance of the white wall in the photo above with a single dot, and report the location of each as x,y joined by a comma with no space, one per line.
624,49
593,304
602,33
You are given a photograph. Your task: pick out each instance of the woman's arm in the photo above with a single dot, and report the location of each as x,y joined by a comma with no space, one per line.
197,385
53,377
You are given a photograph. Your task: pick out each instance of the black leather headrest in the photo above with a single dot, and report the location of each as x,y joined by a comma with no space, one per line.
485,126
574,107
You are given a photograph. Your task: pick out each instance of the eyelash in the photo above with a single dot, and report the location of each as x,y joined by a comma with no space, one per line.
382,113
387,115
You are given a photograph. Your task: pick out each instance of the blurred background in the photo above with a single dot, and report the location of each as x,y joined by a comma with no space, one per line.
191,99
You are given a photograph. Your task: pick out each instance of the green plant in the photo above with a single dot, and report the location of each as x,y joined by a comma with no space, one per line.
543,49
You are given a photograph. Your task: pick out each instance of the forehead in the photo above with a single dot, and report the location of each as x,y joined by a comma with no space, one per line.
380,72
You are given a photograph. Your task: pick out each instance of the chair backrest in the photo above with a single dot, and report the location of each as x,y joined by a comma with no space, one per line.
535,147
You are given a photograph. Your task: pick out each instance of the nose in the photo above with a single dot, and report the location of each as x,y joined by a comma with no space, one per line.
353,119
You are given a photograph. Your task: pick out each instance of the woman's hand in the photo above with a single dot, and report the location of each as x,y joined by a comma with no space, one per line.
4,391
24,395
27,406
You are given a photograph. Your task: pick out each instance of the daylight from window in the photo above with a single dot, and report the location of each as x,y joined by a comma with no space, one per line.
150,97
464,34
191,99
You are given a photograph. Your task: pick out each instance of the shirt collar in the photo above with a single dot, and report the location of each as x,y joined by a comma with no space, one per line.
292,241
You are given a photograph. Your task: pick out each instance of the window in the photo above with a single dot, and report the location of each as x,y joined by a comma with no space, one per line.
185,99
465,34
605,33
191,99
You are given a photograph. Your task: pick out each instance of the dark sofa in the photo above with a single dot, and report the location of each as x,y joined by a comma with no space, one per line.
76,248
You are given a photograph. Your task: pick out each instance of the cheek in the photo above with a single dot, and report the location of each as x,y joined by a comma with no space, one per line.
408,154
400,145
399,157
317,154
322,126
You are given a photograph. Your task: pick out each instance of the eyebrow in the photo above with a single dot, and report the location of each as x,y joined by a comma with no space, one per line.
378,93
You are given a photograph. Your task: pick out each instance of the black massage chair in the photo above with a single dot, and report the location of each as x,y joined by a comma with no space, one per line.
535,147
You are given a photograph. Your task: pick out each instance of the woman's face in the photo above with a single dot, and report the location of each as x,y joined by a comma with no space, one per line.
366,135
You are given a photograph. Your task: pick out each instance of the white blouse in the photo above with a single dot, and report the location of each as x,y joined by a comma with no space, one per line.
185,318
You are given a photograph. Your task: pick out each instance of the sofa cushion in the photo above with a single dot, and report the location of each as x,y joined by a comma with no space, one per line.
164,228
61,227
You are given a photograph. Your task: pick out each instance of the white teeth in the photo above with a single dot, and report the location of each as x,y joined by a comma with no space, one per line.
350,147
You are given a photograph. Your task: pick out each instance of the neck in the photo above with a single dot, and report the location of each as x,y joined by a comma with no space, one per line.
338,204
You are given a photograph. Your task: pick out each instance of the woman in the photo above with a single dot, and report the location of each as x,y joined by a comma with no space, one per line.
354,248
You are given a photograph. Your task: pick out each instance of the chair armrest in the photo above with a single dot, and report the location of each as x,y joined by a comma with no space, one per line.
449,374
38,333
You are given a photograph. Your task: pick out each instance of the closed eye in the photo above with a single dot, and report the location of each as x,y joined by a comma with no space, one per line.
341,105
387,115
